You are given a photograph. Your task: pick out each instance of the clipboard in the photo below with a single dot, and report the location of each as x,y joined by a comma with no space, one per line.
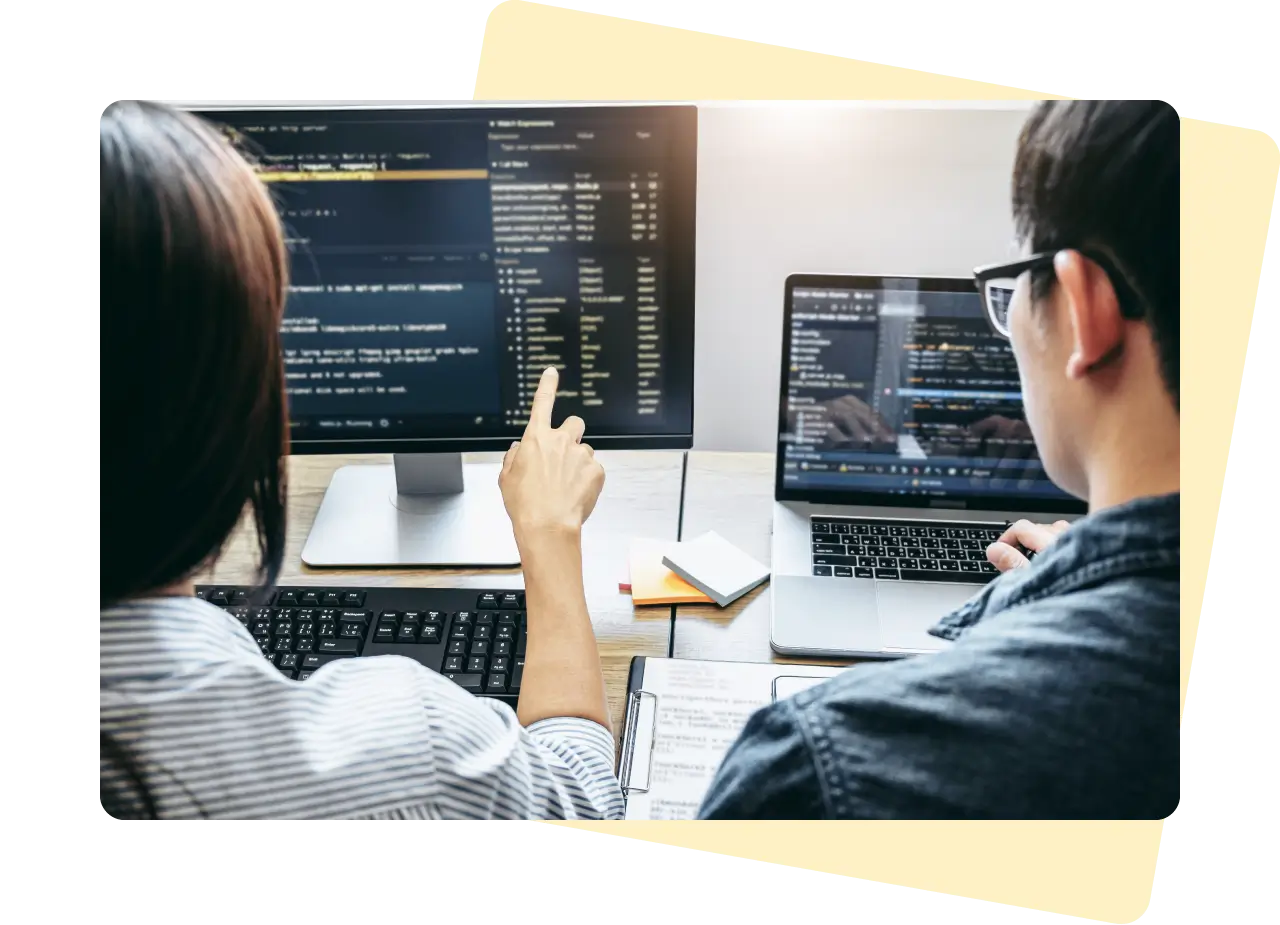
672,785
642,710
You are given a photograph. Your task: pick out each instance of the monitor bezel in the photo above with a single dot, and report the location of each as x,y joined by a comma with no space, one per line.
682,242
884,498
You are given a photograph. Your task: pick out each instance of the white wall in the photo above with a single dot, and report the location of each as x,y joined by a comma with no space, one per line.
847,187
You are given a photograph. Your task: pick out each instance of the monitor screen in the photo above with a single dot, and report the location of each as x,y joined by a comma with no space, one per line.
896,390
440,259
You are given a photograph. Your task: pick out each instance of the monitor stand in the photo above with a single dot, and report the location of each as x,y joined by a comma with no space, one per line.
424,510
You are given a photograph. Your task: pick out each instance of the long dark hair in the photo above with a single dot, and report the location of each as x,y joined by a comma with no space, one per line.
193,280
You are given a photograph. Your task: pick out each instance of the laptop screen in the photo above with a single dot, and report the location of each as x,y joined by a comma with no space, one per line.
898,387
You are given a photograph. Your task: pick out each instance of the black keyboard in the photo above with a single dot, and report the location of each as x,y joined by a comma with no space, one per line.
903,550
474,638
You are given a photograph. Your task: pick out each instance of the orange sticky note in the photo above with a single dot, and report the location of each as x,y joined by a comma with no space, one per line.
654,583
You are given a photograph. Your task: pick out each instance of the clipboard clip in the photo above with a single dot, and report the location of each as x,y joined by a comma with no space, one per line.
635,700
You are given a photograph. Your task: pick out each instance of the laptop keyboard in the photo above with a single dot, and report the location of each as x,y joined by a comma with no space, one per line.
903,550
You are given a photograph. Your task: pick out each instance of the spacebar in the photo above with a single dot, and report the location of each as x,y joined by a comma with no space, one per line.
919,574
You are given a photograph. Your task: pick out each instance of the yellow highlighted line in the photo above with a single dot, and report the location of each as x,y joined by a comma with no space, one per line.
295,176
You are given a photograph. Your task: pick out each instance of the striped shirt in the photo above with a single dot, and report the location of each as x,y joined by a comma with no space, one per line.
215,731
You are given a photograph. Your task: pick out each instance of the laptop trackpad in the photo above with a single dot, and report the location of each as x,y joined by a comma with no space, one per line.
908,609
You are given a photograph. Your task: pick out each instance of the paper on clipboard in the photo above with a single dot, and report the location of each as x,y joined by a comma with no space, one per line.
682,719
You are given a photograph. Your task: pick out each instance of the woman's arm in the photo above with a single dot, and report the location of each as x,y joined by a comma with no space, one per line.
550,482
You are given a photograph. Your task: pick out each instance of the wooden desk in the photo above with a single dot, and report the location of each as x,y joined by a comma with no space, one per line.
731,493
641,498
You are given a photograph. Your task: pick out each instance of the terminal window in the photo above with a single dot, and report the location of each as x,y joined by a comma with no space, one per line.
440,260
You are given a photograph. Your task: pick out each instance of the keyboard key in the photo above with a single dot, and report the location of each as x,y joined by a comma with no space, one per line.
894,551
468,682
476,663
429,634
822,571
908,563
312,662
482,632
460,631
496,684
947,565
484,619
303,675
385,634
353,616
839,528
507,617
878,530
955,577
864,573
479,648
453,663
502,647
520,643
261,628
506,631
887,562
219,598
928,565
829,539
819,526
463,617
352,631
457,647
516,676
826,550
860,529
897,531
843,571
305,644
488,601
937,532
328,630
949,543
969,567
353,599
512,601
407,633
433,616
283,644
240,598
287,660
331,599
915,531
502,665
339,645
264,643
309,599
891,573
287,599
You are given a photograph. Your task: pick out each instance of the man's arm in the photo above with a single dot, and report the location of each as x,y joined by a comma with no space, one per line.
768,773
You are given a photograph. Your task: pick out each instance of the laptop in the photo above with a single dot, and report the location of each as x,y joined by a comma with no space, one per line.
903,452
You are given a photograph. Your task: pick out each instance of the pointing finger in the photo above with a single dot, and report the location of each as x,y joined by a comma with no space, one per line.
544,399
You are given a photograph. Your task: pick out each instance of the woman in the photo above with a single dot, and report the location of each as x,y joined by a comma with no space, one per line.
194,722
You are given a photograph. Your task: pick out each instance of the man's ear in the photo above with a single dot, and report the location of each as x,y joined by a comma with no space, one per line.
1096,326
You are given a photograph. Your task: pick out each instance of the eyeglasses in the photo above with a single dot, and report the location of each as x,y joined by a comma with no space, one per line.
996,284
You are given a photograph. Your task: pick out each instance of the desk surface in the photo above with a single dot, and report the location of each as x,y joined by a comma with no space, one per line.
641,498
732,494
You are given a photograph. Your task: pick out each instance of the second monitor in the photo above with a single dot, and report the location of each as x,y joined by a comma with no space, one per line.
440,259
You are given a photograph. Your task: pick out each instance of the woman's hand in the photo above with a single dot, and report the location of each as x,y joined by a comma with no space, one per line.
550,479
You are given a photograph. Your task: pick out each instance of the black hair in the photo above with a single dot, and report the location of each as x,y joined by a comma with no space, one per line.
193,279
1103,175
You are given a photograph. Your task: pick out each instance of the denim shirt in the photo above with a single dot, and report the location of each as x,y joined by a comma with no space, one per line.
1059,699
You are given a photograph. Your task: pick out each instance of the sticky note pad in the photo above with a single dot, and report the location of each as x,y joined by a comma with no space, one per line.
654,583
715,567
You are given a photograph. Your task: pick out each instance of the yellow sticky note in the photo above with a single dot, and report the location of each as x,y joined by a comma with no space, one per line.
654,583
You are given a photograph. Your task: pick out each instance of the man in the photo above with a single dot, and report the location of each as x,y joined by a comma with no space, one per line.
1060,695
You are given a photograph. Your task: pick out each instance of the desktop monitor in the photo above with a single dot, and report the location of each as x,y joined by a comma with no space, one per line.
440,259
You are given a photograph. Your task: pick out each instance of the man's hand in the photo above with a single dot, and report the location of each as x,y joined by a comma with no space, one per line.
550,479
1010,550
